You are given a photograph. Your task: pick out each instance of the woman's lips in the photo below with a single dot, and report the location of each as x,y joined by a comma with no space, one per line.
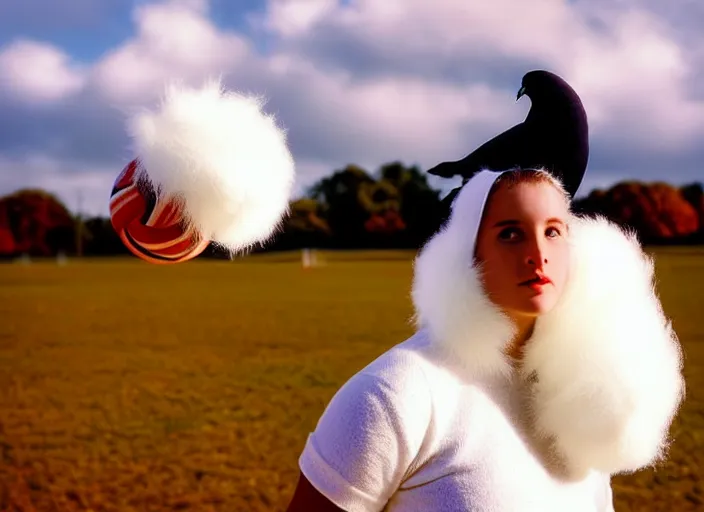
537,282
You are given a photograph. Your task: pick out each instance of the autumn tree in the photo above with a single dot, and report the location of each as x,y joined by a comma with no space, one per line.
656,211
35,222
304,226
397,207
345,211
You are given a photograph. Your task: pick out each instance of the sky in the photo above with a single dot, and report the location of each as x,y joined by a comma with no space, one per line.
363,82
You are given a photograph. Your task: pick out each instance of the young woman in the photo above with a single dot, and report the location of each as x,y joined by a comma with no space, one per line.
543,364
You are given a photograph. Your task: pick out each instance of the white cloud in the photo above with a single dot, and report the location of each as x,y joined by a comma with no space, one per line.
175,41
38,73
340,118
76,184
635,83
384,119
405,27
630,72
433,95
293,17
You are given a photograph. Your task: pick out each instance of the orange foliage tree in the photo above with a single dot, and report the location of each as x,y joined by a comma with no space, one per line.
657,211
35,222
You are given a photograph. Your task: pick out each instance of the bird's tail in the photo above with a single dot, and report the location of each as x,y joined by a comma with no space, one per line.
444,170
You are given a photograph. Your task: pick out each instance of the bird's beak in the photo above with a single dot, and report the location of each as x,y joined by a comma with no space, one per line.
521,92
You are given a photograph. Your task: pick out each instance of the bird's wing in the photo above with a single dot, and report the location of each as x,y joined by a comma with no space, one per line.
504,151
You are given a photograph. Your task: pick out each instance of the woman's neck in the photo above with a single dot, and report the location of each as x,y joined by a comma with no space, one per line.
524,330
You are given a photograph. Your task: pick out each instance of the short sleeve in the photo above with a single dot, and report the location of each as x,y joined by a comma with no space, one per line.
366,441
605,495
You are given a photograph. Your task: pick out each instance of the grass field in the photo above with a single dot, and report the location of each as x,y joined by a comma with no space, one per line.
131,387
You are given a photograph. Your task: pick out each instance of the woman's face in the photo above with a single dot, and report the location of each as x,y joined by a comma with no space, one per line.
522,248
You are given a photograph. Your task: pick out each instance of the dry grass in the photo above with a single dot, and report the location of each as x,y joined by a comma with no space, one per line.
126,386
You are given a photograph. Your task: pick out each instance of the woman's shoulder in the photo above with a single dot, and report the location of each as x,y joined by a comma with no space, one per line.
399,377
404,367
391,391
369,434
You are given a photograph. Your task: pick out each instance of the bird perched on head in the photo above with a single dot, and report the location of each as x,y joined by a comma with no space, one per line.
554,135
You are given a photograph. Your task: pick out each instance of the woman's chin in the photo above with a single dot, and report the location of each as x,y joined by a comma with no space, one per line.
536,304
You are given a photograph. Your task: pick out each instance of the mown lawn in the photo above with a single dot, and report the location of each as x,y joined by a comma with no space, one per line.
127,386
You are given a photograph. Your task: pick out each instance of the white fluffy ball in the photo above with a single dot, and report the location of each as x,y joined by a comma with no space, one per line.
222,158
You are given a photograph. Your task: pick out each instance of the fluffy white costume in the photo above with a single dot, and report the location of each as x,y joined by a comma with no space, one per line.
222,158
443,421
605,363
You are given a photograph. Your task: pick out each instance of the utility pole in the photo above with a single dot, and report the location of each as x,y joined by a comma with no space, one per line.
79,225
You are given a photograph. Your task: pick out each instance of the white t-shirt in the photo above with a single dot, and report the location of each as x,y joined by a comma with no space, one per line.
405,434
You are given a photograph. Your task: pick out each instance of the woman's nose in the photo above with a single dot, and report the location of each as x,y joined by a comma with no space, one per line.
536,255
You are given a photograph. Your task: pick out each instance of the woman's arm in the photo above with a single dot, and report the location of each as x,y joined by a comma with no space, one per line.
307,498
364,444
608,503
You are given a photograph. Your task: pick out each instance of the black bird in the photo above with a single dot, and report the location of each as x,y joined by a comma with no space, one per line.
554,135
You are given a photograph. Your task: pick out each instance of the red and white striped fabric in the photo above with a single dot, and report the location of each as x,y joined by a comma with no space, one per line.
152,228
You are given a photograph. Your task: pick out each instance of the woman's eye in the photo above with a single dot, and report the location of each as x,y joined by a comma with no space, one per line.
553,232
509,234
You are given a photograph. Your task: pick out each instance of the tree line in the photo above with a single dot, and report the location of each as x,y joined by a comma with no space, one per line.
394,207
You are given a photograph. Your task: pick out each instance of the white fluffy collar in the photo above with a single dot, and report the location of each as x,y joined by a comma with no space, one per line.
607,361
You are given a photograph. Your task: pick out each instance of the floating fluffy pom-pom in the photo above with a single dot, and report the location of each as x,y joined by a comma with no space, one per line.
214,157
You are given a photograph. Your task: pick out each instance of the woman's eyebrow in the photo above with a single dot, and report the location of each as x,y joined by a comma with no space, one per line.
508,222
556,220
513,222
